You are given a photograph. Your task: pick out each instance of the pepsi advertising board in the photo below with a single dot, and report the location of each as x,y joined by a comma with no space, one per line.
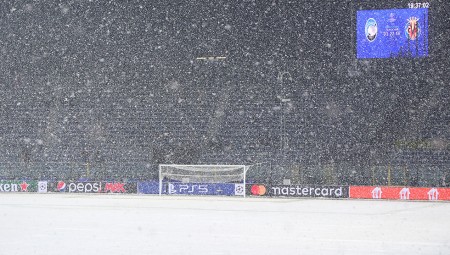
392,33
93,187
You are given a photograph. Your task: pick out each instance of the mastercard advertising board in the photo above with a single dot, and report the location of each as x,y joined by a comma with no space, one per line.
297,191
399,193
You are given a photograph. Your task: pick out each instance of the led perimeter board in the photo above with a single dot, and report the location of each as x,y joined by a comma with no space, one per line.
392,32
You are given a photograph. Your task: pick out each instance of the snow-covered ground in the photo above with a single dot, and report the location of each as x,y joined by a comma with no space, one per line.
137,224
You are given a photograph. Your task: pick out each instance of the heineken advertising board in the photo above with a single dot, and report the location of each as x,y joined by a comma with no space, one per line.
21,186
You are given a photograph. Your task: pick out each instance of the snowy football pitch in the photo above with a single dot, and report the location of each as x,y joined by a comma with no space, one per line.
137,224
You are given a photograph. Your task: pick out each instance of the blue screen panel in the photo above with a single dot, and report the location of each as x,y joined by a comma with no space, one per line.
392,33
227,189
148,187
224,189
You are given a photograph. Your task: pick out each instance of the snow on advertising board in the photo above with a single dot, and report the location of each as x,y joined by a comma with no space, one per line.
399,193
93,187
298,191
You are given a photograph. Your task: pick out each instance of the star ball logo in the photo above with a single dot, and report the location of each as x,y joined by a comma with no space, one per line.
239,189
42,186
392,17
258,190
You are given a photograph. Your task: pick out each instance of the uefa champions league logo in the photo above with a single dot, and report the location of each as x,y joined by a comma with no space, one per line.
239,189
42,186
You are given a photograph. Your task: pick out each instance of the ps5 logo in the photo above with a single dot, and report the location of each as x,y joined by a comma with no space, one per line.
171,189
187,188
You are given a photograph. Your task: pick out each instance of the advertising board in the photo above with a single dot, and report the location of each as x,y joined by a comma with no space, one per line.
224,189
119,187
18,186
298,191
148,187
399,193
93,187
221,189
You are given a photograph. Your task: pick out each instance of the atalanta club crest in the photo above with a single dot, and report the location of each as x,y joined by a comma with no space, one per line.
412,29
371,29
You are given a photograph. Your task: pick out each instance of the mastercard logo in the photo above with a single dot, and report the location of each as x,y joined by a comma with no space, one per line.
258,190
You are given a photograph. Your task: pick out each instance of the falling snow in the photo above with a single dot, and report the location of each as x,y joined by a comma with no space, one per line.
122,87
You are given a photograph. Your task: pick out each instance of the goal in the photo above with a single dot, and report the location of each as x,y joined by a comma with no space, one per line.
202,174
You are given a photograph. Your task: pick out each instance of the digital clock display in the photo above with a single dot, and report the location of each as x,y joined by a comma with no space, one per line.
419,5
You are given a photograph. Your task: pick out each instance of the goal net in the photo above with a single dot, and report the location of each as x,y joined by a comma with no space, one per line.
201,174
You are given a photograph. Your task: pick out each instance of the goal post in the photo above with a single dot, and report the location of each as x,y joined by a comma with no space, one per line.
207,174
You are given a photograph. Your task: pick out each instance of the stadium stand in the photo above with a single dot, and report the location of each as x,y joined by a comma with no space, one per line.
123,106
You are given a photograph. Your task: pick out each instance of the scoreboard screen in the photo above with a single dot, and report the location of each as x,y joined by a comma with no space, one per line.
392,32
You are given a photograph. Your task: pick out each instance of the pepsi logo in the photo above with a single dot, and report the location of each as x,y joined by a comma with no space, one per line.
61,186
